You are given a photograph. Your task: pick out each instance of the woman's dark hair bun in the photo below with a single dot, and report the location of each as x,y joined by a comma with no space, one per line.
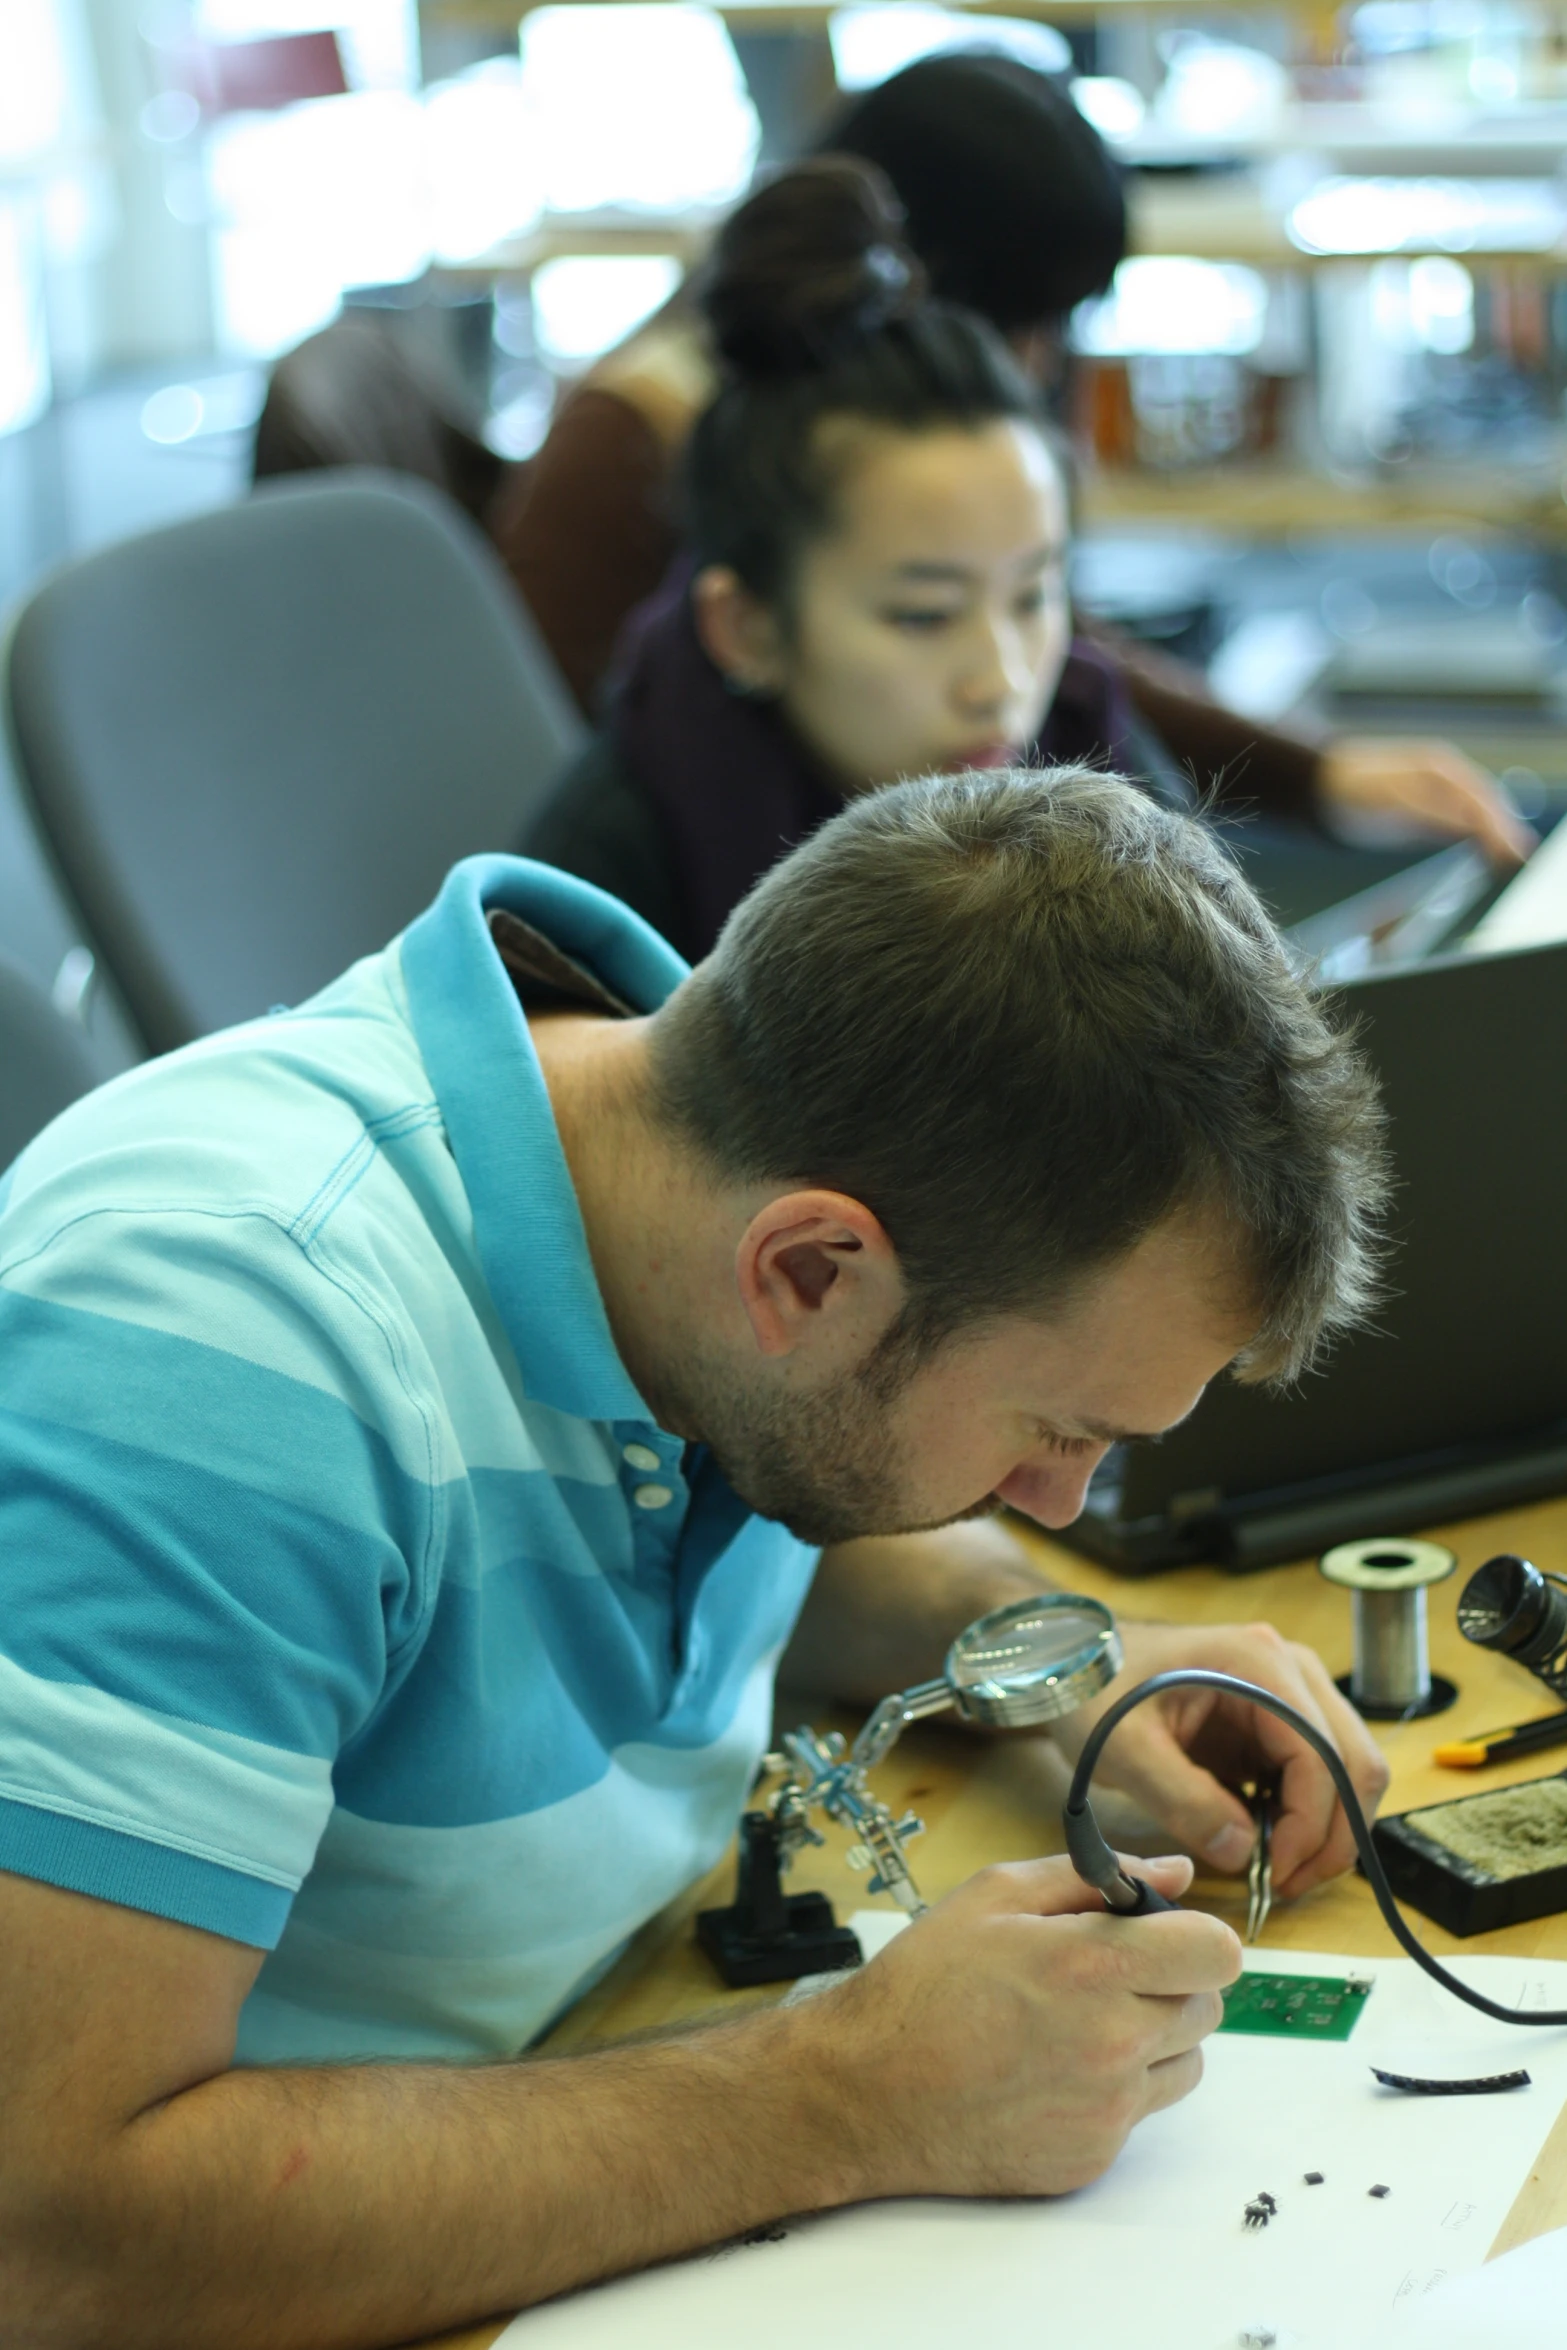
809,265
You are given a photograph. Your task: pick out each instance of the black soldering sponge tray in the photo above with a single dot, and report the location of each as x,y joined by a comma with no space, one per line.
1457,1893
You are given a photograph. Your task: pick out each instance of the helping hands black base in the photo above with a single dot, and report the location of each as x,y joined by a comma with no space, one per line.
767,1935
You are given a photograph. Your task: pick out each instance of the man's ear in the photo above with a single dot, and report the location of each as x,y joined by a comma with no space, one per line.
816,1273
737,631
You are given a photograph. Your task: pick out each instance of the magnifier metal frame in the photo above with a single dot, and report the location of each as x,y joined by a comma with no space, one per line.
994,1675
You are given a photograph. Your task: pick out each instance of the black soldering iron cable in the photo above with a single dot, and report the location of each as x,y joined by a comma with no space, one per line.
1098,1866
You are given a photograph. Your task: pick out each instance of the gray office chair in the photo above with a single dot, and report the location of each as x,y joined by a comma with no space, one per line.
354,395
254,742
46,1061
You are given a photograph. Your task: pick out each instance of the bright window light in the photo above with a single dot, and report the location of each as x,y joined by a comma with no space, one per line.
1494,80
1116,109
1455,216
1424,305
639,107
194,411
1442,303
1385,27
24,348
323,196
48,108
584,304
34,100
379,38
1218,89
1162,305
870,43
482,175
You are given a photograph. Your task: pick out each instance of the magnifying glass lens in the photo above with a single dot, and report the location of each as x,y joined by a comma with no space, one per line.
1033,1661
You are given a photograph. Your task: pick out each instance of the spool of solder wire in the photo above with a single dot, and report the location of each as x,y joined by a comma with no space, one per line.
1388,1578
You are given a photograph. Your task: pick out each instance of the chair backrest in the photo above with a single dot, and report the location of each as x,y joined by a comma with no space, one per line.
255,742
46,1061
354,394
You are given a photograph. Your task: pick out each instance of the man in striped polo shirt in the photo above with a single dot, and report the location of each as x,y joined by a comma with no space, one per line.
426,1419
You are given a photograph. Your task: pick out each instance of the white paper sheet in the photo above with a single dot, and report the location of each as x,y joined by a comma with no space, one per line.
1516,2303
1531,912
1156,2255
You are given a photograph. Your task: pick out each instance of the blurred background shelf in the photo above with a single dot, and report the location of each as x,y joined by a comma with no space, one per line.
815,15
1262,499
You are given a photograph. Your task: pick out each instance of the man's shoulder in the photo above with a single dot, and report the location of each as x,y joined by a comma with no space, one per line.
253,1119
256,1191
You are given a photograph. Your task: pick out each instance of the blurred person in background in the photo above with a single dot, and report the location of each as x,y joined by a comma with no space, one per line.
1015,210
875,584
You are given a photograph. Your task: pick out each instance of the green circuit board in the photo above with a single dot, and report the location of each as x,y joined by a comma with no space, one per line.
1295,2007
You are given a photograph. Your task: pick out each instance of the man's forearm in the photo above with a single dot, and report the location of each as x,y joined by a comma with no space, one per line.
296,2210
883,1612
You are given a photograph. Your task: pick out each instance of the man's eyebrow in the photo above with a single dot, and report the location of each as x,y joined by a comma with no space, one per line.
1104,1433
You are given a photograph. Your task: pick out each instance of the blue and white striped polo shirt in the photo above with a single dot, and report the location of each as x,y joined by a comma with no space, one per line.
351,1603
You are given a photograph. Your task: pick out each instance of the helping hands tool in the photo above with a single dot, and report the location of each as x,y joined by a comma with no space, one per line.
1016,1668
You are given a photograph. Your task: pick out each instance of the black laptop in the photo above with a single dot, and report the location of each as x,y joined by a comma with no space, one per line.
1457,1401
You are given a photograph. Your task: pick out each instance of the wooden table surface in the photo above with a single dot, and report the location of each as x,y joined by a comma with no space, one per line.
996,1799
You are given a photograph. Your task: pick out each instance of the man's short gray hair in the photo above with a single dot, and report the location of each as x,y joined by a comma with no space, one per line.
1025,1018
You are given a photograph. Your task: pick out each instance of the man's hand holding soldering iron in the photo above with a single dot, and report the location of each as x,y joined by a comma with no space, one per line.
1010,2040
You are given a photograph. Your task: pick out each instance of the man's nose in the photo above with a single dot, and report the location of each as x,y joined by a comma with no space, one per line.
1052,1495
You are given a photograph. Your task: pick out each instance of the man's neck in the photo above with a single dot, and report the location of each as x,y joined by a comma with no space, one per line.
652,1224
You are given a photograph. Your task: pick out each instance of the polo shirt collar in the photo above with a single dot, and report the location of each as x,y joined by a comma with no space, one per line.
473,1037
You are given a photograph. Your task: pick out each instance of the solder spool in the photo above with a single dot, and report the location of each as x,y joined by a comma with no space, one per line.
1388,1578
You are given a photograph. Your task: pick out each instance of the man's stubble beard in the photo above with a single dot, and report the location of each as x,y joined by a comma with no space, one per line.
826,1464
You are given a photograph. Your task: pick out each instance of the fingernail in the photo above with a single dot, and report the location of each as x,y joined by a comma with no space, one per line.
1230,1849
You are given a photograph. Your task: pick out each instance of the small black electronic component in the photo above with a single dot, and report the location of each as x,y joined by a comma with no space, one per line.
1313,2178
1380,2193
1260,2210
1487,2086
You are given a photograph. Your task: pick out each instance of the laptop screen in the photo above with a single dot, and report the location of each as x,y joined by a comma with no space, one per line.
1470,1344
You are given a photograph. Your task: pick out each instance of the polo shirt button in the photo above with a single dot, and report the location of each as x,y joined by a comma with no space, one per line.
652,1497
641,1456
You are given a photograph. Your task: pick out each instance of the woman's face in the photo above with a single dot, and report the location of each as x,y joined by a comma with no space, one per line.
929,626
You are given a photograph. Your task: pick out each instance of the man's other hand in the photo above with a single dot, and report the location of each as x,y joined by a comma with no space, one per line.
1014,2036
1181,1756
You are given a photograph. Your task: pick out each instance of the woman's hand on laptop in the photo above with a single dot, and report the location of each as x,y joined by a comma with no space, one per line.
1375,788
1181,1756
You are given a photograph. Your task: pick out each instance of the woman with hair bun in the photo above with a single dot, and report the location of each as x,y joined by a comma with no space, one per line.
1014,205
876,578
875,583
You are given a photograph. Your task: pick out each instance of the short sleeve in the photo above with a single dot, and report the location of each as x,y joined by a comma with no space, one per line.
213,1513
